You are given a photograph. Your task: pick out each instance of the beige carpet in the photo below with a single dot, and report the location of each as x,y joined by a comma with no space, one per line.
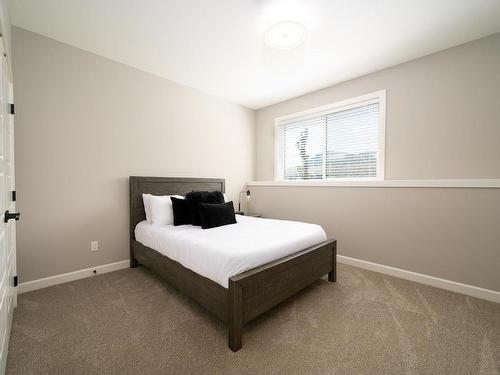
129,322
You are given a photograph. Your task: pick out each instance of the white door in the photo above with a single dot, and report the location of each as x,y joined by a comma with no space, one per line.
8,294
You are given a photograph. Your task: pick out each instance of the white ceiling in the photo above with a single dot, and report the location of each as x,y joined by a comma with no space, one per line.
217,46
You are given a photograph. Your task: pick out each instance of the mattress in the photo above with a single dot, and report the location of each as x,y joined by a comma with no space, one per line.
222,252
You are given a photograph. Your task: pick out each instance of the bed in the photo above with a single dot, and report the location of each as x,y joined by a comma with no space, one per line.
234,275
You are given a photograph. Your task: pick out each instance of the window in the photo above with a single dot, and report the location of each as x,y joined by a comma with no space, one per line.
340,141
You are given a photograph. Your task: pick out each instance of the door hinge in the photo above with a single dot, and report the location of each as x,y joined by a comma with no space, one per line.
15,281
14,196
12,109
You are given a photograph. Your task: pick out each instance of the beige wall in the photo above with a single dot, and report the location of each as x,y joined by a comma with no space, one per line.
83,125
443,114
443,121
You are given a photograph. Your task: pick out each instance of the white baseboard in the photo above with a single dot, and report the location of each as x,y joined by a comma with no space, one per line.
70,276
453,286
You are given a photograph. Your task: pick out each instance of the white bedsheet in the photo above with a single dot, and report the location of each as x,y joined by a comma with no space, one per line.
222,252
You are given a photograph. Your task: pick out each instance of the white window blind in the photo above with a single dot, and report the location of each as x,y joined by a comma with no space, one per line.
344,142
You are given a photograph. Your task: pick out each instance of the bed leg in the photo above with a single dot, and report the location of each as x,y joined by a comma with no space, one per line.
332,275
133,263
235,316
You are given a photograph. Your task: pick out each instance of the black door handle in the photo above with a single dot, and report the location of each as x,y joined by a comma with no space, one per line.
7,216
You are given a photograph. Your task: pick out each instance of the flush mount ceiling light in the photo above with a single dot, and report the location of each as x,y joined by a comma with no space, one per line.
285,35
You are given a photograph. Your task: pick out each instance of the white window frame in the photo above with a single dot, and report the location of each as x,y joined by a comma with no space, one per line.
377,96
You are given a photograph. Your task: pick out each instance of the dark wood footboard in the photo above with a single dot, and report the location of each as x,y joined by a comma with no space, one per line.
256,291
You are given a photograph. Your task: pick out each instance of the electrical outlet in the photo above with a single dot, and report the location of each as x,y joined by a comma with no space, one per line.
94,245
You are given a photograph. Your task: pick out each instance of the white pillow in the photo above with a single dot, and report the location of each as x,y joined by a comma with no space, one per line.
147,206
161,209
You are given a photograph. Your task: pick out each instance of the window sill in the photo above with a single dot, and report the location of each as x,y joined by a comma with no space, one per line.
446,183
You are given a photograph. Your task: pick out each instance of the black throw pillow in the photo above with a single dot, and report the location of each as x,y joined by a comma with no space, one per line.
216,214
182,211
195,198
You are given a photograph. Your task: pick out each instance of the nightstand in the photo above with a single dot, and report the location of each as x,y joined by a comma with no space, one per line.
254,215
251,215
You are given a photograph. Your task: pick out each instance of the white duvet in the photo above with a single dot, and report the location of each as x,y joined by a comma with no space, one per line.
222,252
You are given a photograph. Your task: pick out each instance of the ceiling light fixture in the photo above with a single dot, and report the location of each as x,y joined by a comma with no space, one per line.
285,35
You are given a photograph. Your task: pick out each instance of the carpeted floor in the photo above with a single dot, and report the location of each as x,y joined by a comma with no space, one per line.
130,322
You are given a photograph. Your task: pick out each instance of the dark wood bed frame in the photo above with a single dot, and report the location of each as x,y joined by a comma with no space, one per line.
250,293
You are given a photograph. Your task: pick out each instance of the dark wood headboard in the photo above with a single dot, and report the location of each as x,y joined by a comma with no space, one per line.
165,186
